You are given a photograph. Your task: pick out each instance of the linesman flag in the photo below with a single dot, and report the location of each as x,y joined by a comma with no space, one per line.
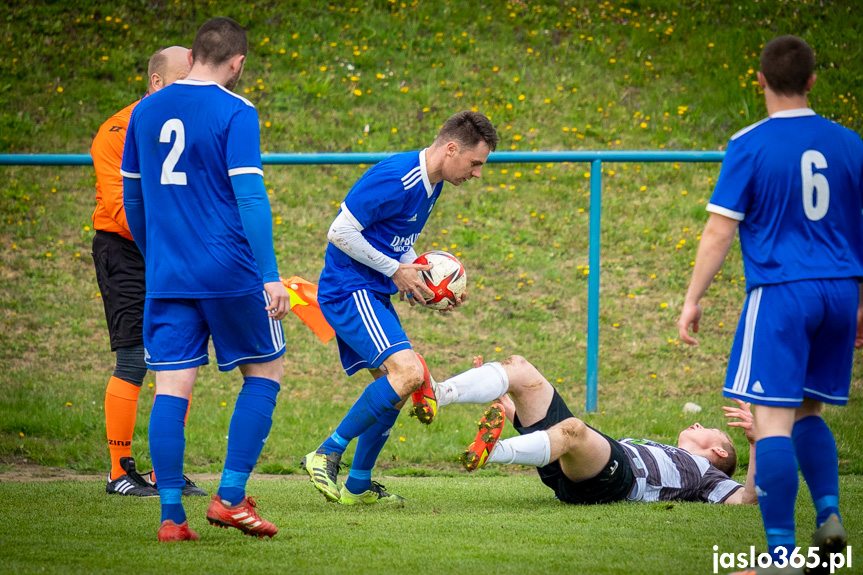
304,303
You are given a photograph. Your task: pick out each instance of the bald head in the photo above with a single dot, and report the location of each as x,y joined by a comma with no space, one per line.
166,66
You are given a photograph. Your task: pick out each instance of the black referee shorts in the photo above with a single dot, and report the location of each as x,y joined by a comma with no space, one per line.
120,274
613,483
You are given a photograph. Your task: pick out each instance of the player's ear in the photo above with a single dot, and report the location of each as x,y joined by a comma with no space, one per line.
720,452
762,81
237,64
811,82
451,149
156,82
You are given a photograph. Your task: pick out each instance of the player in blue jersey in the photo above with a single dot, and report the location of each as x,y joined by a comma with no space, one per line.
792,185
370,258
198,210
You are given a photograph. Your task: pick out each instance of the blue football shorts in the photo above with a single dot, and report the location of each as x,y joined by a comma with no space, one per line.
795,340
367,328
177,332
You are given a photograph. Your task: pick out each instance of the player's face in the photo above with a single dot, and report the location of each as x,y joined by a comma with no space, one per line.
464,164
696,437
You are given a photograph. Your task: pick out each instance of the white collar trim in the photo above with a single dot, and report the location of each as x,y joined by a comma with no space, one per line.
795,113
425,173
188,82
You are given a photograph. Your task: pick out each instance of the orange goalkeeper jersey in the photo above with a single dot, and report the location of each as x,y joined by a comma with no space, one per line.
107,152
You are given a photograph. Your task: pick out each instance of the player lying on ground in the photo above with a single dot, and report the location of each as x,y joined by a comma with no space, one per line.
582,465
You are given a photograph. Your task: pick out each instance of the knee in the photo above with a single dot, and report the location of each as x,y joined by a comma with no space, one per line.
277,371
515,362
573,430
130,365
273,370
411,376
523,376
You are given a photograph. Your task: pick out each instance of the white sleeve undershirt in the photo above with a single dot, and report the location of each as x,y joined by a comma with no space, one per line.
345,234
409,257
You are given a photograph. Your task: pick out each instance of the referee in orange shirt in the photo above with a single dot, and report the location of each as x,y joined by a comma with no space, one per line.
120,274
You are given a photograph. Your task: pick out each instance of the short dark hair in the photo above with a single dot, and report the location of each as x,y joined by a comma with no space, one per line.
787,63
727,464
469,129
219,40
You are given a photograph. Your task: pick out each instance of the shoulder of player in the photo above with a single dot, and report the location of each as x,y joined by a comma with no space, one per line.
120,120
396,168
404,168
740,133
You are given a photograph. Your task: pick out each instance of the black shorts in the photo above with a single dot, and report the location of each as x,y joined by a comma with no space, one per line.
612,484
120,274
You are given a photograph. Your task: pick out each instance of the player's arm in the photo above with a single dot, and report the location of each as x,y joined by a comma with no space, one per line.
256,217
715,243
747,495
346,234
133,202
107,152
133,195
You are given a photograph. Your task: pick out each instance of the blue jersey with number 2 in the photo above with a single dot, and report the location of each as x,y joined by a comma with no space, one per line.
185,142
795,183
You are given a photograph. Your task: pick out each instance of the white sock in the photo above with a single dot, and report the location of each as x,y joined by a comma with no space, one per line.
529,449
478,385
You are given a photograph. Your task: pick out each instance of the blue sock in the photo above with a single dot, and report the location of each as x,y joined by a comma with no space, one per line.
776,483
369,446
377,398
172,507
167,443
819,462
250,426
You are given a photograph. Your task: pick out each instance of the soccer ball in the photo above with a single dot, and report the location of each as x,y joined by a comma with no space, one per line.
446,279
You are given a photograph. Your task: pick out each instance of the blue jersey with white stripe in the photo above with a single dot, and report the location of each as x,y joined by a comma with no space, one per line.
795,183
185,142
390,204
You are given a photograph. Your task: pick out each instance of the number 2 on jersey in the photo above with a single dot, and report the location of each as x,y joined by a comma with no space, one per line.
169,176
816,190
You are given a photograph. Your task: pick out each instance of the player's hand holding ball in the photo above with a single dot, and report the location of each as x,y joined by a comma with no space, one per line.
444,279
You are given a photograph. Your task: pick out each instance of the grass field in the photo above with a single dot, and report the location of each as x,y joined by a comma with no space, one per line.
511,526
382,76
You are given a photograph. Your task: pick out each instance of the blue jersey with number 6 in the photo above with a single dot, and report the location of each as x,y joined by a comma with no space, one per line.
795,183
185,142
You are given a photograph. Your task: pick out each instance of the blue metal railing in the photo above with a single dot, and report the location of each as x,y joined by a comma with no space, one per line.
594,158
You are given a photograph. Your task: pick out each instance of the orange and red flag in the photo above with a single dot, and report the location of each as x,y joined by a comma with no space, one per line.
304,303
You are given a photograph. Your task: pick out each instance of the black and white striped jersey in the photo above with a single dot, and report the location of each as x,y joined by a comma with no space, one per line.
668,473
